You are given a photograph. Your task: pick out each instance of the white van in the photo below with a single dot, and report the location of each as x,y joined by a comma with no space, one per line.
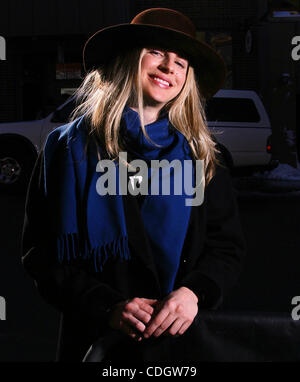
241,125
237,119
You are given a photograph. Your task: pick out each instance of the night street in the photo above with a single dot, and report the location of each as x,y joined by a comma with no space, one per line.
269,281
166,82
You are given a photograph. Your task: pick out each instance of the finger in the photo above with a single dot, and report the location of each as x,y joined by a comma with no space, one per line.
149,301
131,320
146,307
176,326
157,321
142,316
139,310
129,331
184,327
137,304
164,325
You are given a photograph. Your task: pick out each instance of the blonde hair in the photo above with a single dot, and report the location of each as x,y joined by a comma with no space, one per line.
105,92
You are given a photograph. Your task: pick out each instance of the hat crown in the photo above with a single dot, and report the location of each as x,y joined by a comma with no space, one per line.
166,18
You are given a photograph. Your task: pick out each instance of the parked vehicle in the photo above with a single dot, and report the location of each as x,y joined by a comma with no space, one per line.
20,143
240,123
237,119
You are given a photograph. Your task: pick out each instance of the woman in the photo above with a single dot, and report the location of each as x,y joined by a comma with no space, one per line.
139,267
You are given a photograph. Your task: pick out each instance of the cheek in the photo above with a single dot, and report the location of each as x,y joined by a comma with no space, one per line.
181,81
146,63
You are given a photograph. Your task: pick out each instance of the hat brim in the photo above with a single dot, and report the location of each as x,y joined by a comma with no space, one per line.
105,44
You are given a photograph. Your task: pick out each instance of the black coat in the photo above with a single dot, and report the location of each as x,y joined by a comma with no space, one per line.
210,264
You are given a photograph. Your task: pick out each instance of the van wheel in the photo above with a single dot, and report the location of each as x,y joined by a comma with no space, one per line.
16,165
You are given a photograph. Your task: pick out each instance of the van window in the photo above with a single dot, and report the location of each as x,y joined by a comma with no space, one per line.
220,109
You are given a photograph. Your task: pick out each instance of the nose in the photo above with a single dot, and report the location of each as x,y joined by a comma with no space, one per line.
168,64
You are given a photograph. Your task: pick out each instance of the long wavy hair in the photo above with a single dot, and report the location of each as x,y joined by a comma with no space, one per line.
105,92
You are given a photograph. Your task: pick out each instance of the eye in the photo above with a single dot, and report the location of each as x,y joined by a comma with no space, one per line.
156,52
180,64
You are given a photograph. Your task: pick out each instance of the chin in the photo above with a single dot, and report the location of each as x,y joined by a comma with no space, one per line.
158,100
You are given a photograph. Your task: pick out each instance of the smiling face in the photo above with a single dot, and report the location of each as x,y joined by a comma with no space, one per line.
163,75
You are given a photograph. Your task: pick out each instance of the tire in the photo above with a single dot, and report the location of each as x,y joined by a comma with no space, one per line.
16,165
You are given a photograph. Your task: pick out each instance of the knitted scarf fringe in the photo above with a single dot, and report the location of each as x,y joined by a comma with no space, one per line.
69,248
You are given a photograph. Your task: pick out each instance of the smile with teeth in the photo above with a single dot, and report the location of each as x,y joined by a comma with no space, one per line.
161,83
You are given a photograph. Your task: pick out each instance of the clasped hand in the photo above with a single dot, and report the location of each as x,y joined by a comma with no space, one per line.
142,318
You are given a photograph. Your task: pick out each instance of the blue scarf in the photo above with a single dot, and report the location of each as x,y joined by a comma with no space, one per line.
92,227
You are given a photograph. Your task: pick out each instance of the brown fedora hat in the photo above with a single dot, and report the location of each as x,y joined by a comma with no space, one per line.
158,27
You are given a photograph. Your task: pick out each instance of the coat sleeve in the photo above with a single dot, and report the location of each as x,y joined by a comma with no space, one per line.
219,267
68,288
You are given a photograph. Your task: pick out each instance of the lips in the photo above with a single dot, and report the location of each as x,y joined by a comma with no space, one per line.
161,81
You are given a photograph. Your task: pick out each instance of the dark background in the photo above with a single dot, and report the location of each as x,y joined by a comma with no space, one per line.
43,35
